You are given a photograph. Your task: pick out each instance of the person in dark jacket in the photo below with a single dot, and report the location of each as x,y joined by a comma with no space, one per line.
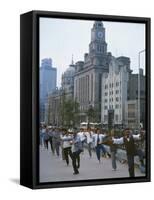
50,133
129,142
77,148
46,138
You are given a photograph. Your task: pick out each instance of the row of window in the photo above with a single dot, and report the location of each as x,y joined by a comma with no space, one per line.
112,107
111,92
116,117
111,85
117,99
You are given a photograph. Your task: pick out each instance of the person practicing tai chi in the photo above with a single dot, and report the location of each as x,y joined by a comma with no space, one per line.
98,138
129,142
66,138
77,148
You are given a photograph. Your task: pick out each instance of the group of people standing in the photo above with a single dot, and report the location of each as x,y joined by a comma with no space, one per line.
72,143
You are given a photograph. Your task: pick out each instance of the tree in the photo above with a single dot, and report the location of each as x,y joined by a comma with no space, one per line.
92,114
69,112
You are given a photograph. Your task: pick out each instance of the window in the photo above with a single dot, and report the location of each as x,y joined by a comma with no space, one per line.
116,117
105,100
106,86
131,106
131,114
105,107
106,93
116,106
105,118
117,91
117,83
117,99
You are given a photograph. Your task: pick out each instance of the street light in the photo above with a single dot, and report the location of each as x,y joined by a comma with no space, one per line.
139,55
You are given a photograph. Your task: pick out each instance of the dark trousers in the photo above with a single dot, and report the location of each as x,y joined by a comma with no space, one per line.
90,149
51,145
46,144
75,160
67,152
99,148
57,148
113,159
130,159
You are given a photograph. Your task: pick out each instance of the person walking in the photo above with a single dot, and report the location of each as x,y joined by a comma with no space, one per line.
50,133
46,138
129,142
56,141
89,140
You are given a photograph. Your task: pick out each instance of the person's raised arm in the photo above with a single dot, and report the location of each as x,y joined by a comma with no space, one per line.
118,140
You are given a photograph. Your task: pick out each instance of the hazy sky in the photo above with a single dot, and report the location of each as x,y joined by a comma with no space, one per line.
60,38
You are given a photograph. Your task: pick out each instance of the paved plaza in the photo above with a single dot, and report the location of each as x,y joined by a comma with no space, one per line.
53,168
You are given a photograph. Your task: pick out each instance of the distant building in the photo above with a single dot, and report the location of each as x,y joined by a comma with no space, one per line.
133,97
48,80
88,73
114,91
131,114
68,81
53,112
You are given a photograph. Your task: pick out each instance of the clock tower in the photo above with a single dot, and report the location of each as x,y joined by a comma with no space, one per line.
98,45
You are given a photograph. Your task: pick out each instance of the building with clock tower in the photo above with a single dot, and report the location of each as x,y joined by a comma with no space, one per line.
88,74
98,45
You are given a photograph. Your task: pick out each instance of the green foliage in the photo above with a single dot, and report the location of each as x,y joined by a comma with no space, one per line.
69,110
92,114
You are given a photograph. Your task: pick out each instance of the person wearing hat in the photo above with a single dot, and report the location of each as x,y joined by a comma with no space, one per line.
129,142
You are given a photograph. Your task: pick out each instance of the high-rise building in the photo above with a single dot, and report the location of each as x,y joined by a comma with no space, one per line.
48,81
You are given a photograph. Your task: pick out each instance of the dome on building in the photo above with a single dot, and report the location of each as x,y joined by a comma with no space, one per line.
70,71
68,75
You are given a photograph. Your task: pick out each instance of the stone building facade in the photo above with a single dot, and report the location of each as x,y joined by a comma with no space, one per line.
136,100
67,82
114,90
88,73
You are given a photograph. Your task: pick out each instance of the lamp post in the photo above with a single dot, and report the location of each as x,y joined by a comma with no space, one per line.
139,63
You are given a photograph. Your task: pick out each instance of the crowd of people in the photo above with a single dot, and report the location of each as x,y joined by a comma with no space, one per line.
70,143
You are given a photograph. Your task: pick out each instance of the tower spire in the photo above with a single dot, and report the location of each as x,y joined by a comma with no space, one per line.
72,60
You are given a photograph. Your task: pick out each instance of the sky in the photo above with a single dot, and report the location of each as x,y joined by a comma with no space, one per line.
62,38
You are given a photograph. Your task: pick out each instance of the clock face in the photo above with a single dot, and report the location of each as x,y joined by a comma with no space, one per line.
100,35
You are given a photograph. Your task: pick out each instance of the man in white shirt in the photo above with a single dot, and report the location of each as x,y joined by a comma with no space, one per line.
81,135
98,143
66,145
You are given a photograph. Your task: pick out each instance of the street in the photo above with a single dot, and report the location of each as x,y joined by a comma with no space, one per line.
53,168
